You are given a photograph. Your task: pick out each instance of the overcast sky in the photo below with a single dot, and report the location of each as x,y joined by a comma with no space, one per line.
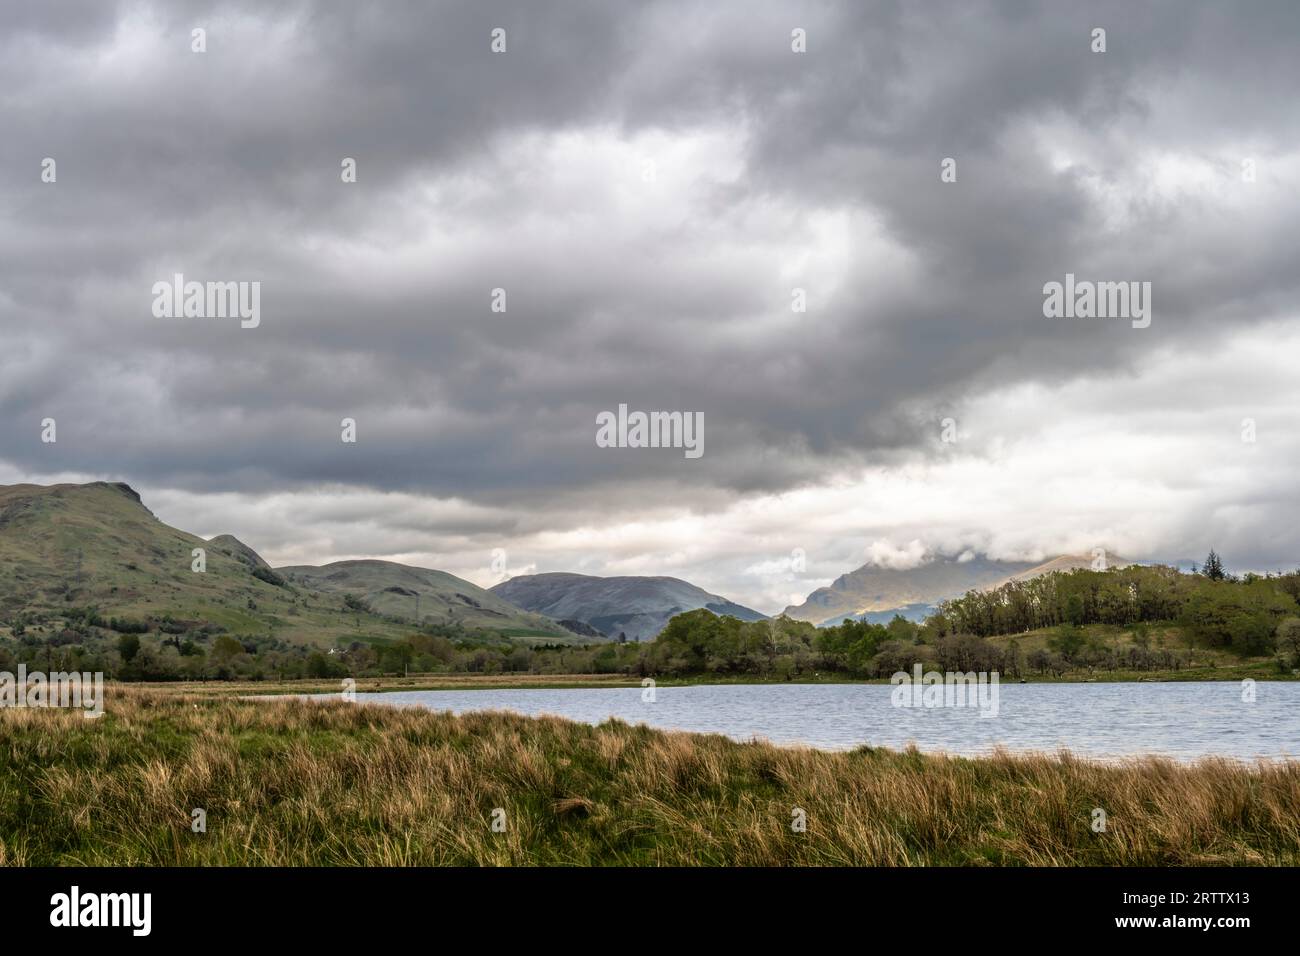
649,182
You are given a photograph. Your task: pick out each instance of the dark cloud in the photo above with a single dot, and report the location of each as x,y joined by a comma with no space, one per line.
527,171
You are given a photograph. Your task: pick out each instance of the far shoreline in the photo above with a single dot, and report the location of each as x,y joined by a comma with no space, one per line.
457,682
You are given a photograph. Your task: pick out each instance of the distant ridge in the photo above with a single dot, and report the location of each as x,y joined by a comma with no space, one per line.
393,589
874,593
637,607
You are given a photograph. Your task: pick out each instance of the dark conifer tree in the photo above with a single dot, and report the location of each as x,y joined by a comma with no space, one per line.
1213,568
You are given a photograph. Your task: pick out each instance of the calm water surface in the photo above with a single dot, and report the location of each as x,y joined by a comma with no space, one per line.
1180,720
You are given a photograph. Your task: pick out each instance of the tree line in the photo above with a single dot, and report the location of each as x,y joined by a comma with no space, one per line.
1218,609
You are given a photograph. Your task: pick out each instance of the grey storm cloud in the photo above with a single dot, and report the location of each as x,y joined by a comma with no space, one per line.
818,170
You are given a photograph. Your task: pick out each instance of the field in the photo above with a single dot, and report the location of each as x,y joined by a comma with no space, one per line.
304,783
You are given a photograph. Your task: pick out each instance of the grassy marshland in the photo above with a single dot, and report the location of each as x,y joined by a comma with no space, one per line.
294,782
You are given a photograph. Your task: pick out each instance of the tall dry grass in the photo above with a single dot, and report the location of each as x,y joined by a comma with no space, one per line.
294,782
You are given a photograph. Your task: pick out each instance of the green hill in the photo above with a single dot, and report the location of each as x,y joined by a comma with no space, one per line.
64,548
403,591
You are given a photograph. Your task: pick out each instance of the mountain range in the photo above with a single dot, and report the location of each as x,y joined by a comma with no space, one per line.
97,546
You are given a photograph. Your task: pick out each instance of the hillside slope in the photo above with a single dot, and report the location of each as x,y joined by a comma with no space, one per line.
398,590
96,545
638,607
